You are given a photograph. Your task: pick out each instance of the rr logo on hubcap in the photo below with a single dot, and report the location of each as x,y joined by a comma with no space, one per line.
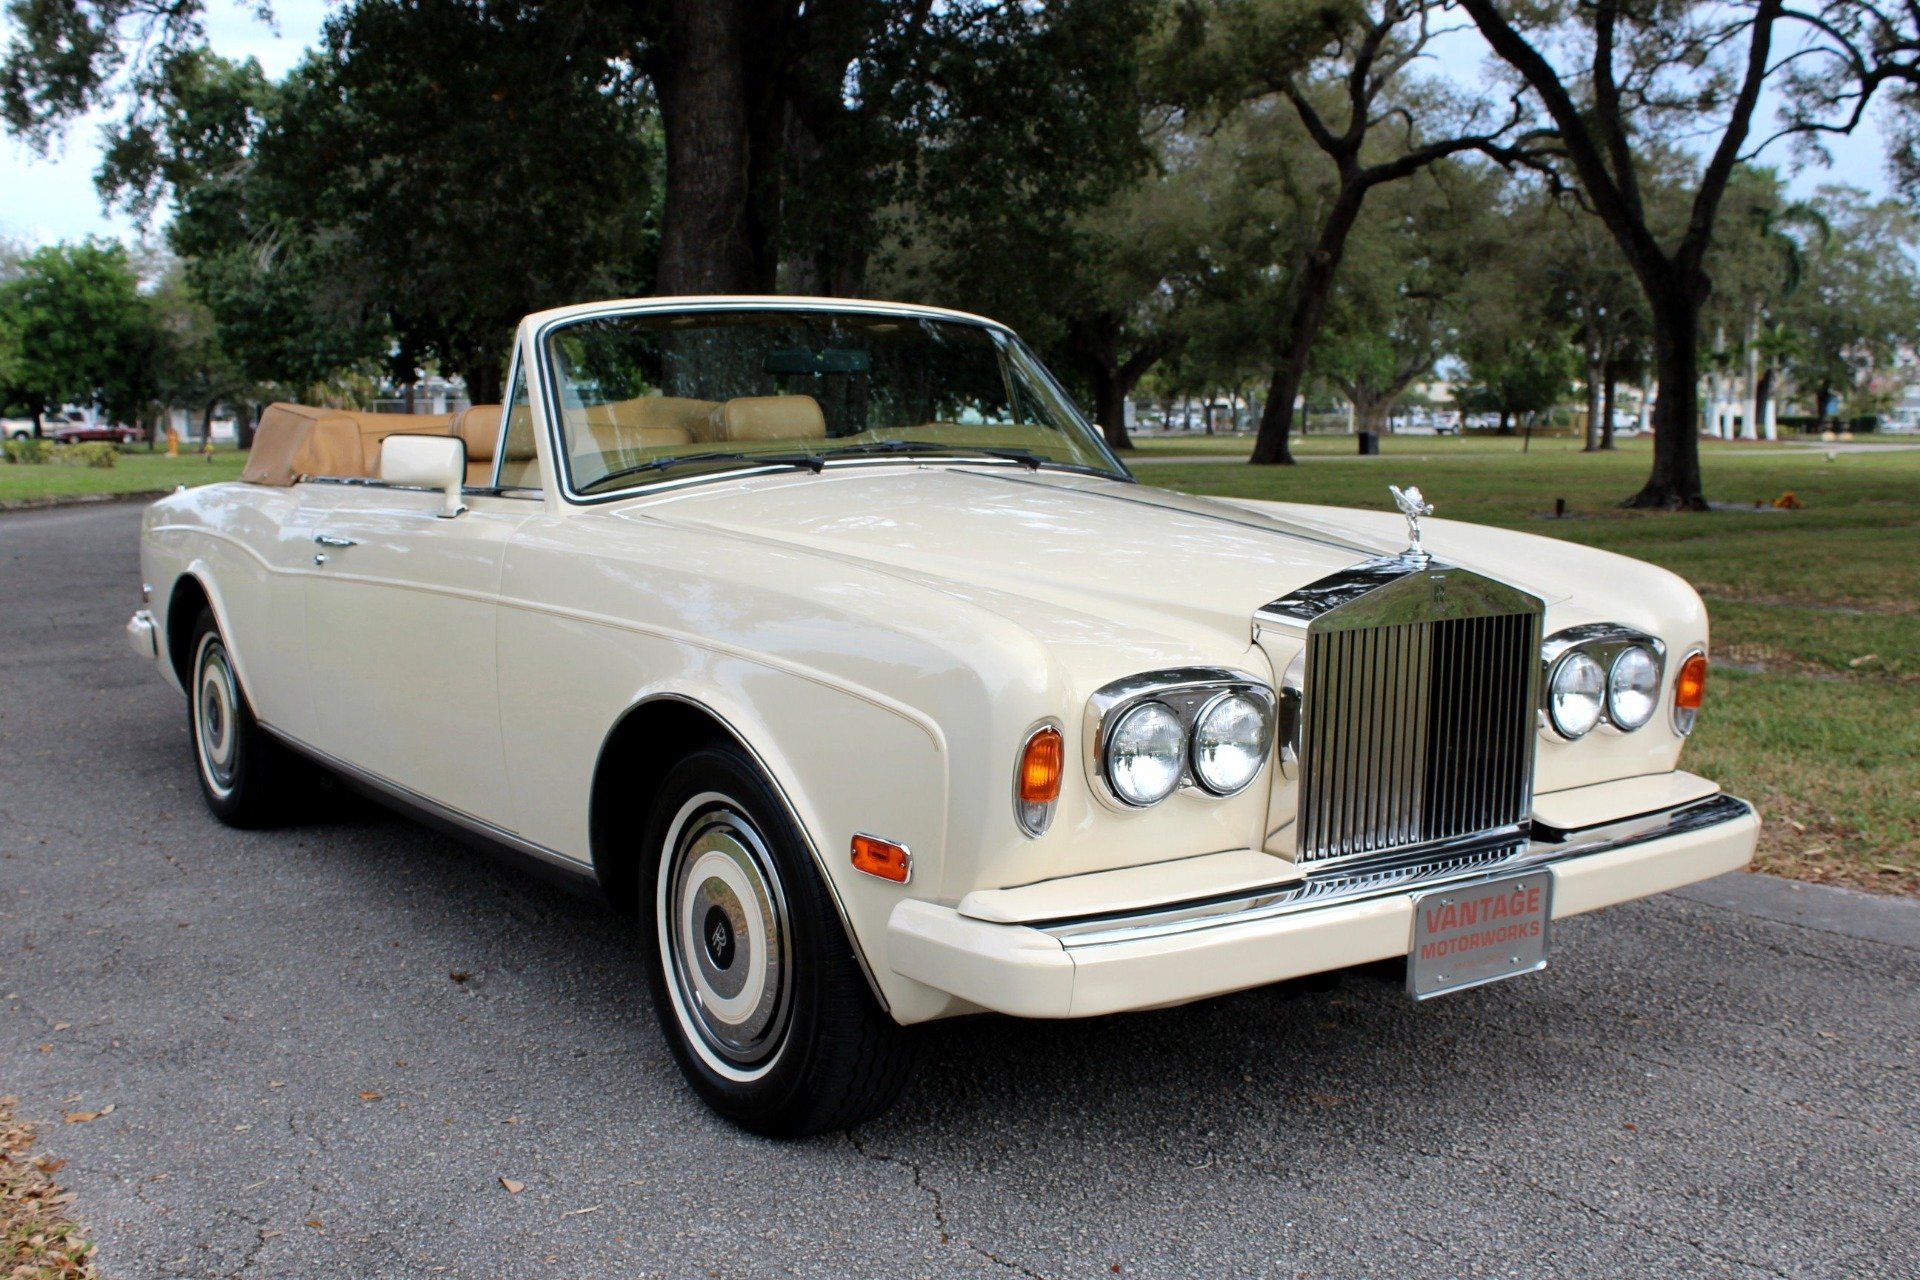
719,938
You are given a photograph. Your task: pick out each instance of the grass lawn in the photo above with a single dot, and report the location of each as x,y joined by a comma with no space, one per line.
1813,710
137,471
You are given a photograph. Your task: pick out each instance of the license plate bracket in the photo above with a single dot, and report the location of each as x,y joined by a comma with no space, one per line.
1472,934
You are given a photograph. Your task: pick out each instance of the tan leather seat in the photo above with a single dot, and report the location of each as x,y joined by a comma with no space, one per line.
768,418
479,427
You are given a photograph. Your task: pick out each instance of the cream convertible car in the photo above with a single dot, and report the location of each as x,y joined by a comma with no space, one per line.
829,639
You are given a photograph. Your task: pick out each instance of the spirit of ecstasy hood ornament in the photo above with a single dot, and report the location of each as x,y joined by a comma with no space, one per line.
1412,505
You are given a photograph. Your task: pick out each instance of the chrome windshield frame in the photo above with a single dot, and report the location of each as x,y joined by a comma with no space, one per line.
1001,336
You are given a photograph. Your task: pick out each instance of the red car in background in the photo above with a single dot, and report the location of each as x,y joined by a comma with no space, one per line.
78,432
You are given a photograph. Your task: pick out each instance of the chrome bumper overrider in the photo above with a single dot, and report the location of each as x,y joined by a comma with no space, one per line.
143,636
1352,915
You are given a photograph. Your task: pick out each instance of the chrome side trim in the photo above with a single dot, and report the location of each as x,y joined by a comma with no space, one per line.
1399,873
443,816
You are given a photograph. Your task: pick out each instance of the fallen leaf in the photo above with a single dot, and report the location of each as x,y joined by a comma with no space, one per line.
241,1128
574,1213
1630,1127
81,1117
368,1095
61,1026
47,1165
314,1223
266,1234
1864,659
46,1048
513,1188
458,975
276,1084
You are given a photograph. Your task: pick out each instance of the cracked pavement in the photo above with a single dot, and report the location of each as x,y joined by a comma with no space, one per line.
1692,1089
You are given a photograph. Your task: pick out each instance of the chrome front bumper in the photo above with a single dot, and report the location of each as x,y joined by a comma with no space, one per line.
143,636
1179,951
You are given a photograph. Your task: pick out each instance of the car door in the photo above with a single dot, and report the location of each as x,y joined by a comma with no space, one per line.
401,618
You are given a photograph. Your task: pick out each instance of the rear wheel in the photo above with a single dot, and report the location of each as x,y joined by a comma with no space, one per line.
753,978
244,774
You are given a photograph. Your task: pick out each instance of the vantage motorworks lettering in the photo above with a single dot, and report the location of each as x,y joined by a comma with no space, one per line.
1464,937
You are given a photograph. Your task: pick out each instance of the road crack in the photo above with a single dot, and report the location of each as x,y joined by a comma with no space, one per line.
938,1205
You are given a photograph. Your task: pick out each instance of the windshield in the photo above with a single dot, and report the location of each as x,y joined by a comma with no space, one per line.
666,394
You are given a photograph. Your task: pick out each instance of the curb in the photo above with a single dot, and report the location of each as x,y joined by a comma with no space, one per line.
1823,908
81,500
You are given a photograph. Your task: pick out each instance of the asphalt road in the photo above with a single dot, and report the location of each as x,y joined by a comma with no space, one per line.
1691,1089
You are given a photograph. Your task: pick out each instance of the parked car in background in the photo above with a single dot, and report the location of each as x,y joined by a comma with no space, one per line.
81,432
67,427
829,640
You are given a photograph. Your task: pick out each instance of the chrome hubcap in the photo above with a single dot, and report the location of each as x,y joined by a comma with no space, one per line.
724,937
215,698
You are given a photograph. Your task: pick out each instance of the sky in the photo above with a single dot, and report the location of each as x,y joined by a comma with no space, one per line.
50,199
44,200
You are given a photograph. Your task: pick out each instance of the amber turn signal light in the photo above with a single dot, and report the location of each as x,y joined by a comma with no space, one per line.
1041,766
882,858
1689,691
1036,779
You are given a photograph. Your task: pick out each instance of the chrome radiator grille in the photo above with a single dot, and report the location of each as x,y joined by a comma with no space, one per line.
1415,732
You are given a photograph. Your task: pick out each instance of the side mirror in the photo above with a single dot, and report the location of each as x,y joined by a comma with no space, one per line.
427,462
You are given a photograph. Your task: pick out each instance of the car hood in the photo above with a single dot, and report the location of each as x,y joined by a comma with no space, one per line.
1124,553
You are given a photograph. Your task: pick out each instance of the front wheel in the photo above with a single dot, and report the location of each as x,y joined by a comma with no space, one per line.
245,775
753,978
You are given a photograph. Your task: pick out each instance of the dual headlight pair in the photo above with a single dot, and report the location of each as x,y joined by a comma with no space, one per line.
1601,673
1156,734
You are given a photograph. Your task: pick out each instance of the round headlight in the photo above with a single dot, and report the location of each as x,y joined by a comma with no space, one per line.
1230,740
1146,752
1633,688
1576,694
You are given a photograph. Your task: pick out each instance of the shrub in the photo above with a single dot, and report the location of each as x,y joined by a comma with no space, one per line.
32,452
100,454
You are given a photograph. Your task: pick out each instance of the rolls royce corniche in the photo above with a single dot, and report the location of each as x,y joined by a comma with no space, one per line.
830,641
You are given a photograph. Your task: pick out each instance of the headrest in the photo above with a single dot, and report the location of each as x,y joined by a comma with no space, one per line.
770,418
479,426
648,421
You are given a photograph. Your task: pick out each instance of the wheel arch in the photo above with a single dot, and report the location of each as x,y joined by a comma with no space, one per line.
644,743
184,603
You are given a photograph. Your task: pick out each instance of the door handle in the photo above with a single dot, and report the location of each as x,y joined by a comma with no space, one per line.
328,540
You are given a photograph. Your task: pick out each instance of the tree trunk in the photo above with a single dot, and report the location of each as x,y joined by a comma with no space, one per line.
243,420
1110,404
1606,409
483,381
1675,482
1308,307
707,243
1506,422
1763,403
1596,375
1276,421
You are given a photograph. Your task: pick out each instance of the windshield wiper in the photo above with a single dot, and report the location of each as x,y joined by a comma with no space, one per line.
1025,457
802,461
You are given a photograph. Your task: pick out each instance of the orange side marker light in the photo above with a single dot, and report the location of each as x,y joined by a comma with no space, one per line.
882,858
